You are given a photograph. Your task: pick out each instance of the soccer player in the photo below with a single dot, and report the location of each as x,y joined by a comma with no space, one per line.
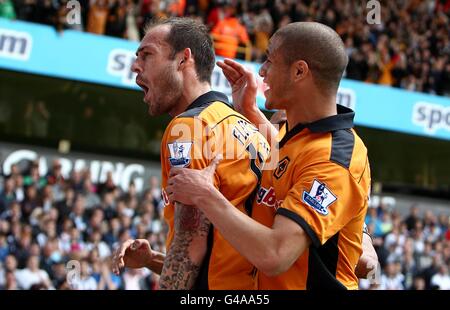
307,221
368,261
174,66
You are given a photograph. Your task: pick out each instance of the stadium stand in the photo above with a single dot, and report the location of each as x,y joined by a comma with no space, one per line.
45,222
410,49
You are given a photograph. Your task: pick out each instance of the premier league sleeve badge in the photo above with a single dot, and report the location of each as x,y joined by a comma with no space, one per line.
180,154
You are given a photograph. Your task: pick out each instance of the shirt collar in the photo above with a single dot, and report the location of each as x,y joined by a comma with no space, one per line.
208,97
342,120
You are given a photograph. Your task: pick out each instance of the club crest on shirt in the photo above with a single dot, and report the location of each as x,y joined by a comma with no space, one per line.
281,167
319,197
180,154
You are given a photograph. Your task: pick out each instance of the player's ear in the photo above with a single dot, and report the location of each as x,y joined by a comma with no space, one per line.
186,57
300,69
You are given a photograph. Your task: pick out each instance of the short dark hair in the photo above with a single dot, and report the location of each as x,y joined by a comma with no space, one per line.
187,33
318,45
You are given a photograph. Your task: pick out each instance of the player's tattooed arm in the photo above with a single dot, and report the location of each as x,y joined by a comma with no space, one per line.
187,251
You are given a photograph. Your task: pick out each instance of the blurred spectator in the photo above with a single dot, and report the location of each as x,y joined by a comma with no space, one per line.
418,284
441,280
97,16
432,232
7,9
263,30
443,221
66,236
78,215
148,10
108,186
116,23
59,275
8,195
61,21
373,221
132,31
108,280
89,194
8,267
10,281
95,242
134,278
31,202
56,179
85,281
393,278
176,7
155,192
34,178
47,197
418,237
386,223
32,275
412,218
20,245
228,34
424,258
4,249
20,192
433,269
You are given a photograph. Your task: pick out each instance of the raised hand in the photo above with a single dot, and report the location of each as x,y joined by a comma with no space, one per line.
243,85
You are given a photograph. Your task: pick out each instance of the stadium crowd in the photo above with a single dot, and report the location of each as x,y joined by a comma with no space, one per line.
48,221
50,224
413,251
409,49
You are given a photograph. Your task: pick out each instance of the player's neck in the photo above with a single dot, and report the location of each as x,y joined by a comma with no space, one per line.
310,109
191,91
195,90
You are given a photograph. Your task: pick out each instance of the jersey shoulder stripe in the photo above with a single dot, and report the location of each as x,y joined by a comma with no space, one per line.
342,144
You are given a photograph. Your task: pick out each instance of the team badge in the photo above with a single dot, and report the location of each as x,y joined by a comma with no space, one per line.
319,197
281,167
180,154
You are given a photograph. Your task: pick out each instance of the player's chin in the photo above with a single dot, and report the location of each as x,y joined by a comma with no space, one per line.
269,105
152,110
273,104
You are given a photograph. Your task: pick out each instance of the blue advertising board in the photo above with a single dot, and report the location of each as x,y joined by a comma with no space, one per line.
74,55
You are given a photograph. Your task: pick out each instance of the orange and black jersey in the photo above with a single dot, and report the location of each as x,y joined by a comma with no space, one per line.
322,183
207,128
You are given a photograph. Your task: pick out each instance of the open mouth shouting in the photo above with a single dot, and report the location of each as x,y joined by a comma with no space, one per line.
142,85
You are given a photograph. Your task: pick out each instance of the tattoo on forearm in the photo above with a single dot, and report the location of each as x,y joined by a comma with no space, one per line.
180,269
